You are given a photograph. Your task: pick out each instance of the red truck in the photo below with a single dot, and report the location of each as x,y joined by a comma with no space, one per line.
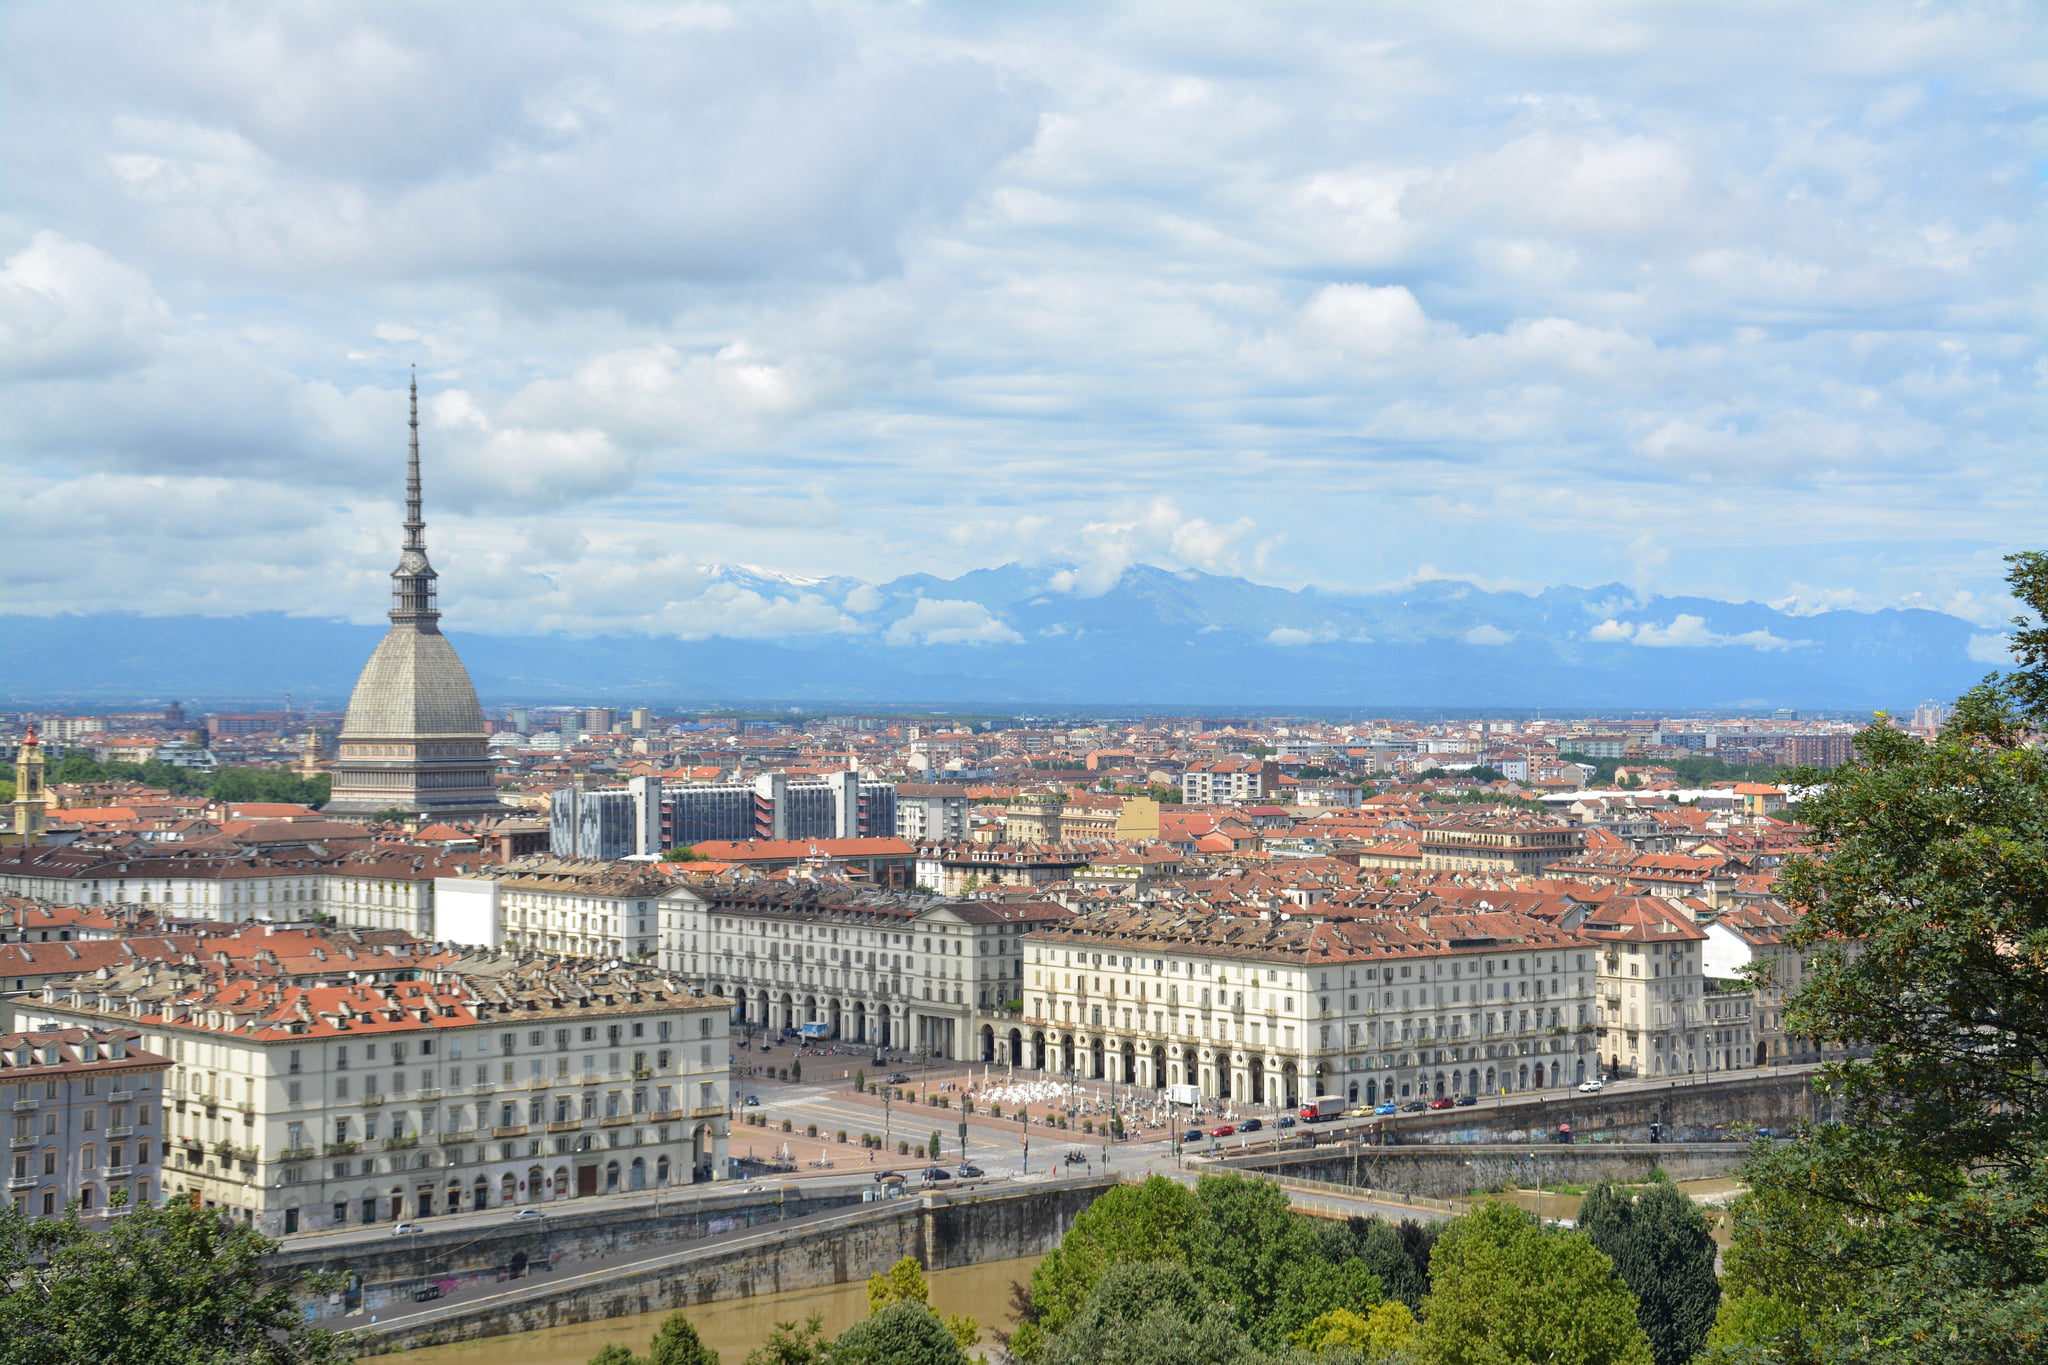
1322,1107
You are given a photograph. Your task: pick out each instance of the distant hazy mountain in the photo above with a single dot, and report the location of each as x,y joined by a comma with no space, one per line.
1019,635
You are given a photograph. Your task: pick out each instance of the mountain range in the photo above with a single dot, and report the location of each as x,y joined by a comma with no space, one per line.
1018,635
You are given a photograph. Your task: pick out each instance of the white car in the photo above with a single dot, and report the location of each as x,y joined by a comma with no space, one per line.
1591,1087
404,1229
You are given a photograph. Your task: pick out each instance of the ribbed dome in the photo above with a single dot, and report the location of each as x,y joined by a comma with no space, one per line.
413,685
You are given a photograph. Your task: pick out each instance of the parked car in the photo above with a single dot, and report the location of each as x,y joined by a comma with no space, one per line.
1223,1130
404,1229
1442,1102
1413,1107
753,1101
529,1213
934,1174
1251,1125
888,1177
897,1078
1464,1100
1191,1135
969,1172
1386,1107
1284,1121
1359,1112
1590,1087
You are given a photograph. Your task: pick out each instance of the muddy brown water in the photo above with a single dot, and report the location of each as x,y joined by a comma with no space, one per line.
1711,1195
736,1326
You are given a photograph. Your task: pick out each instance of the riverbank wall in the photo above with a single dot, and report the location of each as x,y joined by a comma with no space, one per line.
940,1231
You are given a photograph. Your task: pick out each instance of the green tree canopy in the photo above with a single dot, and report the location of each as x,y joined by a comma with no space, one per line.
1151,1313
1153,1221
904,1332
1385,1332
1503,1290
169,1285
1663,1250
1914,1231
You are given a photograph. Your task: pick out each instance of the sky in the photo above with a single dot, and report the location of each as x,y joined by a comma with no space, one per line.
1741,300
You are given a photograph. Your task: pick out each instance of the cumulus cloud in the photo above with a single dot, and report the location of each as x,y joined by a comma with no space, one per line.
1159,534
938,621
1484,634
1685,631
875,290
69,309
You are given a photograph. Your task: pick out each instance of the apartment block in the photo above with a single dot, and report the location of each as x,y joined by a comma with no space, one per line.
86,1113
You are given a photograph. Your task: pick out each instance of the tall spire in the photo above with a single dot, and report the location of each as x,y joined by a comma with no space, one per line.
414,526
412,582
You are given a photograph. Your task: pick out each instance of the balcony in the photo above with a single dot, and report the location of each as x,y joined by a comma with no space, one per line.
23,1106
509,1130
707,1111
671,1115
460,1135
338,1149
401,1144
427,1092
21,1142
301,1153
21,1182
372,1101
482,1088
119,1172
121,1130
565,1125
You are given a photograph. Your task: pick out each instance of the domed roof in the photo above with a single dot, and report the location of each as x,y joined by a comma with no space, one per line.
413,685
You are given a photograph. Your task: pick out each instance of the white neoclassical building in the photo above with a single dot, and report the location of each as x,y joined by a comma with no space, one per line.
507,1081
1273,1008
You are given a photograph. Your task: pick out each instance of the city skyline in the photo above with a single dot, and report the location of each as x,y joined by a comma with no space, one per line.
1517,303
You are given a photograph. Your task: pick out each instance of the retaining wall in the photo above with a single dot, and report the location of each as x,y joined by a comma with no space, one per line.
940,1231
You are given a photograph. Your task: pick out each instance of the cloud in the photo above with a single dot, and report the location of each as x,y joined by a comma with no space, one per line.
1686,631
1991,649
70,310
1160,534
875,290
1484,634
939,621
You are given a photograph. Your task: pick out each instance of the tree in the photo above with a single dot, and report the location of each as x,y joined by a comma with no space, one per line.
1384,1332
789,1344
682,855
612,1353
1153,1221
903,1333
1150,1313
1255,1254
677,1343
1663,1250
1397,1255
902,1281
1913,1229
169,1285
1502,1289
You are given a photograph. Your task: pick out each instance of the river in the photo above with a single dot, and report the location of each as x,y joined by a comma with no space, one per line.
736,1326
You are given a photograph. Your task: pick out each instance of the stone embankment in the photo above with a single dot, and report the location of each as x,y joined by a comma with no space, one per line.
940,1230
